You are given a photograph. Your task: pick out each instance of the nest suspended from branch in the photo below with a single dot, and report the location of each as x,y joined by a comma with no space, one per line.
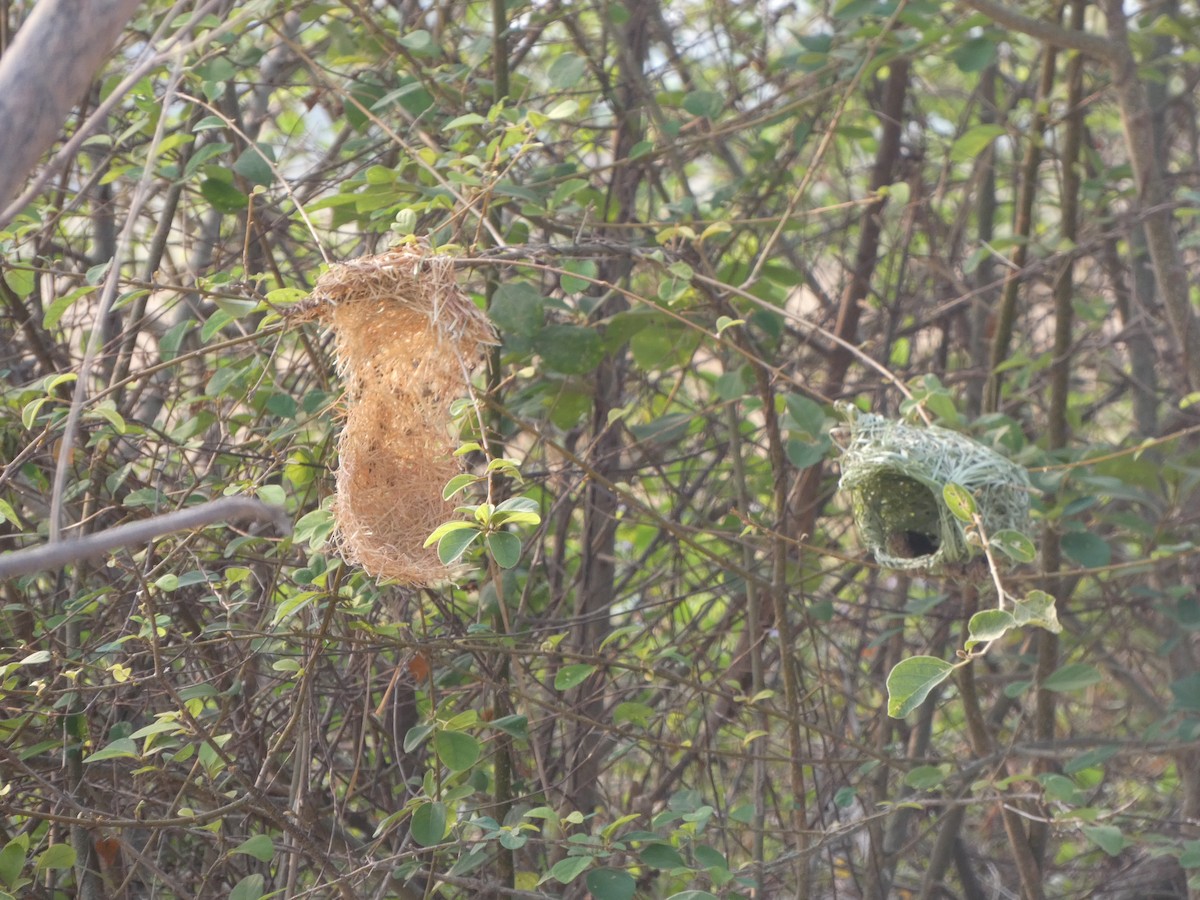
895,474
406,338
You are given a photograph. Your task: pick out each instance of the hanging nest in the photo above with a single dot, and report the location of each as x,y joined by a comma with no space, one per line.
405,338
895,474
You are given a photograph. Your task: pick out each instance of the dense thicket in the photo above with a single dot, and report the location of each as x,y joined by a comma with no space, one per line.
695,226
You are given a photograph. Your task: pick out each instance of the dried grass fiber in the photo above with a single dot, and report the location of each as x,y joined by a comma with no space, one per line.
405,338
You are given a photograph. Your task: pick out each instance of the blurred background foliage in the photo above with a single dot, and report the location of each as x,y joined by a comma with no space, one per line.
695,225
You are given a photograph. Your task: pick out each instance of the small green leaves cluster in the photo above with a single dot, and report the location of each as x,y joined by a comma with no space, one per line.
487,521
15,868
912,680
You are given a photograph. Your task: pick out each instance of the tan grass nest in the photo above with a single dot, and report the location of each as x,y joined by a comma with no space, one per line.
406,338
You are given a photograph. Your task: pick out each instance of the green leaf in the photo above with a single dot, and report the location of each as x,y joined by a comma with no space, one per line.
563,109
571,676
464,121
122,748
222,195
565,71
1087,549
58,306
8,514
1072,677
1107,837
456,484
706,104
236,307
569,349
988,625
505,548
661,856
925,778
249,888
518,308
449,528
1014,545
960,502
254,164
416,736
260,847
21,281
578,275
12,861
633,713
1190,857
911,680
974,55
56,856
567,870
428,825
454,544
1037,609
457,751
1186,692
516,726
803,454
693,895
974,141
610,884
806,415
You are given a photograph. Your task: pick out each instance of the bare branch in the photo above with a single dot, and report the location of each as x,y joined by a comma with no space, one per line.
1048,32
60,553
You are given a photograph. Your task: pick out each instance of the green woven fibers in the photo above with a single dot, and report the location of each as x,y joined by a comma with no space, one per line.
895,473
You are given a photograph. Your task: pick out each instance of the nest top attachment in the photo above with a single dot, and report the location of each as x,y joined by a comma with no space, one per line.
895,474
408,277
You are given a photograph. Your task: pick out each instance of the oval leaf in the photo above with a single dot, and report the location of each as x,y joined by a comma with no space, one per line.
610,884
1087,549
974,141
959,501
989,625
56,856
429,823
1072,677
1107,837
505,548
1014,545
571,676
249,888
1037,609
567,870
456,750
455,544
260,847
911,680
570,349
661,856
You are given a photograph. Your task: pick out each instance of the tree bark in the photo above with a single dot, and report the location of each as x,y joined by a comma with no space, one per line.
45,72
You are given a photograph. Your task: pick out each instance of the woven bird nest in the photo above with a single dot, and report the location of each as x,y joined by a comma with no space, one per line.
405,338
895,474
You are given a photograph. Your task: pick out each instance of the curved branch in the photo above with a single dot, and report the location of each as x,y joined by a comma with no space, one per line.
1048,32
60,553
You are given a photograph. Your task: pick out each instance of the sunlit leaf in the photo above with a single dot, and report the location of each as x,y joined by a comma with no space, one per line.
911,680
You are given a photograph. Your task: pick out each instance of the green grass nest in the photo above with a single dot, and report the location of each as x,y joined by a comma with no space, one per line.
895,474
